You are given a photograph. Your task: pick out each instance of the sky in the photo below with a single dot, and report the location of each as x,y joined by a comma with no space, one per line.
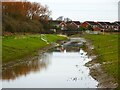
83,10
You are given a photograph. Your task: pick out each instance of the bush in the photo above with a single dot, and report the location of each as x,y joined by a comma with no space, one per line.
16,25
23,27
36,26
9,24
82,28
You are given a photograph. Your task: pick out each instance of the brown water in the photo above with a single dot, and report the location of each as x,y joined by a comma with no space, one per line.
65,69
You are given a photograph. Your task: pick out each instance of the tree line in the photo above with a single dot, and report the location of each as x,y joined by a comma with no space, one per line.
24,16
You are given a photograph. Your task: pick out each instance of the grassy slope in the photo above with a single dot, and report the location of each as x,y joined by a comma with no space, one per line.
15,47
107,47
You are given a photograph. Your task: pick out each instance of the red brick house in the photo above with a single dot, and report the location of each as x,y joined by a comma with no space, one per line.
84,24
93,24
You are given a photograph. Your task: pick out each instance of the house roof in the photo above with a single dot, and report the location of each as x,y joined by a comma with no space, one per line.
101,23
69,22
118,23
77,22
92,22
115,24
108,23
62,23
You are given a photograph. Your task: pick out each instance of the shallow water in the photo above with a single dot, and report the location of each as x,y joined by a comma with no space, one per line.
52,70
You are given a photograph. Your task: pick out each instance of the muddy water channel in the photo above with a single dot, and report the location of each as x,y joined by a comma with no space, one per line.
61,67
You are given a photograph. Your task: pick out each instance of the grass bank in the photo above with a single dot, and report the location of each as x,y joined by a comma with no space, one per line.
18,46
106,46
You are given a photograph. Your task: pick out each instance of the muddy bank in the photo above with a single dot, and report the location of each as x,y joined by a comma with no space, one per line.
97,71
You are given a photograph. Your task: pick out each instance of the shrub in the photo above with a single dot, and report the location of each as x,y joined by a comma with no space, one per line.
16,25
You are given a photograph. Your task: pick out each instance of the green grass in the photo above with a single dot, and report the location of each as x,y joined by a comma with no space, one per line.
19,46
106,46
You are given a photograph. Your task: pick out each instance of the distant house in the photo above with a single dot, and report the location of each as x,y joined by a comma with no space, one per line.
84,24
108,26
77,23
57,26
117,26
102,26
62,25
92,24
73,25
111,27
55,23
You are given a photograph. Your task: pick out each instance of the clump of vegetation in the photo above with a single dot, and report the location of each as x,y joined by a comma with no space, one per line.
24,17
82,28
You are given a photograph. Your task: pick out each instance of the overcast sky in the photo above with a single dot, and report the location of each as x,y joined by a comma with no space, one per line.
83,10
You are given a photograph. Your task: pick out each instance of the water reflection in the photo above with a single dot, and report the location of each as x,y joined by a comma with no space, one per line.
25,68
74,45
61,67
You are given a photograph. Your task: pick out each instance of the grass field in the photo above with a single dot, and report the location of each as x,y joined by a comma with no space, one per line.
18,46
106,46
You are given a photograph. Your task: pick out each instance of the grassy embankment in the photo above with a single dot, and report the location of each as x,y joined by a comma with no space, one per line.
106,46
18,46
